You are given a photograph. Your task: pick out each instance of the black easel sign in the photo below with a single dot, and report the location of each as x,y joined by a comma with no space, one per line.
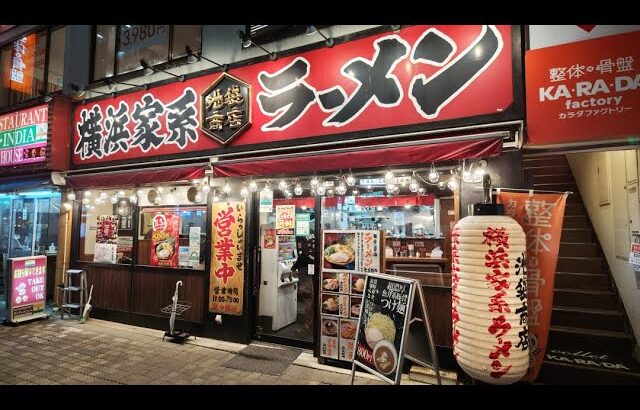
386,309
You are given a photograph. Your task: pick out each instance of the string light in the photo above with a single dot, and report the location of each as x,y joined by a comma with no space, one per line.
350,180
244,192
71,196
413,185
282,185
298,189
341,189
253,186
388,176
227,188
433,174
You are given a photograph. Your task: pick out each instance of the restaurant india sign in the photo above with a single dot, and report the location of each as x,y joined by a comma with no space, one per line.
226,285
414,77
23,136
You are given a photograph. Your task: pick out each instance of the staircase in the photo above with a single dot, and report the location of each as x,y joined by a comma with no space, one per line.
589,341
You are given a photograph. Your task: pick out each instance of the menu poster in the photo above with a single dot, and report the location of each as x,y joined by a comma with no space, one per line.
343,305
356,251
266,201
124,244
347,342
107,229
285,219
27,284
386,309
183,256
302,224
329,337
105,253
194,246
164,240
269,241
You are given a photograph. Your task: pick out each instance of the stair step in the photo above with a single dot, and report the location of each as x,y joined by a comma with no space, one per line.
561,369
587,318
574,209
574,280
616,343
542,177
585,298
579,249
577,235
581,265
71,305
556,161
576,221
557,186
574,198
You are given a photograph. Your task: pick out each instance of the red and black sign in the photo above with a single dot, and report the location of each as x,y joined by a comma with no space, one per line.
405,81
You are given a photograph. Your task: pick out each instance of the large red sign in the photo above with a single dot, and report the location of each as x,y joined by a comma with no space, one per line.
584,91
420,75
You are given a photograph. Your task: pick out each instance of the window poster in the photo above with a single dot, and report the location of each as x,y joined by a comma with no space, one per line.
164,240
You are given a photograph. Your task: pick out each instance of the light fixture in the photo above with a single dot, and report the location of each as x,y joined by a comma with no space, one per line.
87,194
121,194
133,199
247,42
313,30
282,185
442,185
227,188
114,199
321,190
253,186
81,92
148,70
298,189
350,180
71,196
433,174
452,184
422,191
244,192
314,182
396,190
356,192
103,195
288,194
388,176
413,185
329,193
111,84
341,189
390,186
193,57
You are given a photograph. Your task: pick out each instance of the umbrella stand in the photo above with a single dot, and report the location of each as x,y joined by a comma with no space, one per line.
175,309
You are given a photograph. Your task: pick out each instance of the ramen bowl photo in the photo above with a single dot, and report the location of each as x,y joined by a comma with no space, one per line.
164,250
385,357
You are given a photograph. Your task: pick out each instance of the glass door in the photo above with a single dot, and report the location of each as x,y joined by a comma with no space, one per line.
285,300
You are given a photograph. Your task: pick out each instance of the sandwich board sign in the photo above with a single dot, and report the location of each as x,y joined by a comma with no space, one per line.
383,337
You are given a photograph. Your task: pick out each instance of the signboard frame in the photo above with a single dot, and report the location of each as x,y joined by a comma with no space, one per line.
9,287
414,286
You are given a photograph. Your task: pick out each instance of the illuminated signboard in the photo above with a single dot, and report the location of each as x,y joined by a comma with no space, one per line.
23,136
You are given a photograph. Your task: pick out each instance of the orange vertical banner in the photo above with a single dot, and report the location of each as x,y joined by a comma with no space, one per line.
226,285
540,216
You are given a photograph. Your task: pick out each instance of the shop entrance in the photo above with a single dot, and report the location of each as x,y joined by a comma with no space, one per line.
285,241
28,227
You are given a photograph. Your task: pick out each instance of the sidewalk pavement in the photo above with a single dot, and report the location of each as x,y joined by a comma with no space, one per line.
54,351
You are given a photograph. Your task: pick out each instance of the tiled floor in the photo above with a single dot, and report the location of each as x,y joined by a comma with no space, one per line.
53,351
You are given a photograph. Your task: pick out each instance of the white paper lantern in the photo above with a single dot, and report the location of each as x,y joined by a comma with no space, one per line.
489,298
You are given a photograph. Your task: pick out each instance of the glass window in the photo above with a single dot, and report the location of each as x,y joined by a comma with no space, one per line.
22,70
106,228
105,51
149,42
173,227
56,60
185,36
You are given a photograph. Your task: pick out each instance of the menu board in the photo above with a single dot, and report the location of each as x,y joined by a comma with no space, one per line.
342,289
386,310
194,246
106,246
164,240
27,284
351,250
266,201
285,219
